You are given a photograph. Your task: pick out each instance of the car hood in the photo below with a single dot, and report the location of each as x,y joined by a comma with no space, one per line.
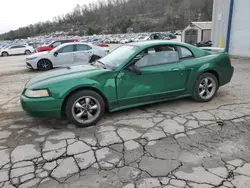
46,80
39,54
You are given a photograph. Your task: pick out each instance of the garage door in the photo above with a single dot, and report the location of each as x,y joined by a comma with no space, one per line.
240,36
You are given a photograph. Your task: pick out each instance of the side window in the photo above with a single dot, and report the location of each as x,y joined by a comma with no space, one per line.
82,47
185,53
21,47
55,44
66,49
157,55
13,47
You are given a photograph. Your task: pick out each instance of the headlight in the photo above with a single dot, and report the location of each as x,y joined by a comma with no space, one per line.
31,58
36,93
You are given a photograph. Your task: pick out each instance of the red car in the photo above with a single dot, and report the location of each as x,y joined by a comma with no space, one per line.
103,44
53,45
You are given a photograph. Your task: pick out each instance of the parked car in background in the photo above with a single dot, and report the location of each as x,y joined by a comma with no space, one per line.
16,50
172,36
204,44
54,44
65,55
132,75
124,41
143,38
159,36
162,36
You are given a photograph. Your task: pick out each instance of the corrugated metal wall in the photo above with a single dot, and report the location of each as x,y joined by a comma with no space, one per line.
240,33
220,22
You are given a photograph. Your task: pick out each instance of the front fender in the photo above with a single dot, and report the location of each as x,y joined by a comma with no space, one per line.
107,89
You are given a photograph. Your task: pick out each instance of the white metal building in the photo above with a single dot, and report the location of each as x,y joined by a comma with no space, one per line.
197,32
231,26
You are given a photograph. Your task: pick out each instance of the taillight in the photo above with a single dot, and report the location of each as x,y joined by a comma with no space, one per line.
230,62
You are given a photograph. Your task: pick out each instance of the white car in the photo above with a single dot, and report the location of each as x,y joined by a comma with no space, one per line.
68,54
141,39
124,41
16,50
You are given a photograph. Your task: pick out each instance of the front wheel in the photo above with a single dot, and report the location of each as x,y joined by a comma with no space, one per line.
44,65
5,54
85,108
205,88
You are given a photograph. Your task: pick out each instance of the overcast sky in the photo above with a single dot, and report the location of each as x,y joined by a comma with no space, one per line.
17,13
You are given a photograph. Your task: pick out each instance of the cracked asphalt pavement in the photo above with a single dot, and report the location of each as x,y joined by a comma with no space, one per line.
178,144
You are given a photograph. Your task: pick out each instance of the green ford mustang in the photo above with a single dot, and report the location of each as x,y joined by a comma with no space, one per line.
132,75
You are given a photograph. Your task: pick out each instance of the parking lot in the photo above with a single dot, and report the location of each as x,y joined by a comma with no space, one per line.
180,143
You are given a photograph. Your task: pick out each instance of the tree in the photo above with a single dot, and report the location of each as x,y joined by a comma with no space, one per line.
116,16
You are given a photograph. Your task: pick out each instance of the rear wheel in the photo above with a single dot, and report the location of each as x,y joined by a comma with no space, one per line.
85,108
205,87
5,54
27,52
44,65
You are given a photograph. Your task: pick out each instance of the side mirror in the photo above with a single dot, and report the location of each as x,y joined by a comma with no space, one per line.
55,54
135,69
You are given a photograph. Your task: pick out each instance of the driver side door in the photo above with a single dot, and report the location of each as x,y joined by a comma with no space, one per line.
13,50
161,76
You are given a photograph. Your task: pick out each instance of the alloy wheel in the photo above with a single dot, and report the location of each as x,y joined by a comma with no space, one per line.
44,65
5,54
207,88
86,109
27,52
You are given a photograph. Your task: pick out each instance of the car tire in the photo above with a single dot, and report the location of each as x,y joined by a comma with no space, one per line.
5,54
206,87
44,65
27,52
94,58
78,108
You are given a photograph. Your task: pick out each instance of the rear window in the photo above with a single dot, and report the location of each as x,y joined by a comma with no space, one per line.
82,47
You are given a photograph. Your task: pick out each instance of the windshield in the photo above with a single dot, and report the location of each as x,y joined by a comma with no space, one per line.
118,56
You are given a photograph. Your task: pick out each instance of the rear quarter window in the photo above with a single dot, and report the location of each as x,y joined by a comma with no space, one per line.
185,53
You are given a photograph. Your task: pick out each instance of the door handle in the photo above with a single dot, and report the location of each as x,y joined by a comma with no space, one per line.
175,69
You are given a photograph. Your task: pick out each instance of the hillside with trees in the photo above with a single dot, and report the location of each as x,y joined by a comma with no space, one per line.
119,16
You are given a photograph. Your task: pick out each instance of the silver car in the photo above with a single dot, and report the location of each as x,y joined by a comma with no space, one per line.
65,55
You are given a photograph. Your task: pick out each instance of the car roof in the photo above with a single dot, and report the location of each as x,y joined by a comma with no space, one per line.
64,40
149,43
73,43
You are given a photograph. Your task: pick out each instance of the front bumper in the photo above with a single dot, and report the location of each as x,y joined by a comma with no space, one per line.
42,107
31,64
28,65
